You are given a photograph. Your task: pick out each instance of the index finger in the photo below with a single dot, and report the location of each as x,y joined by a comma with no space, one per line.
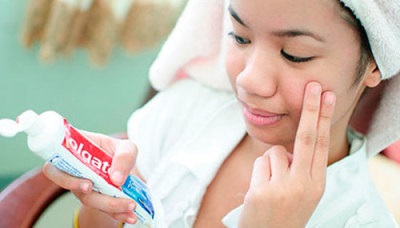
123,153
123,161
306,134
320,159
105,142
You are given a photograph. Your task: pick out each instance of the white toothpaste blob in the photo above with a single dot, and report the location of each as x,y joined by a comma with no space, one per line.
51,137
9,128
25,122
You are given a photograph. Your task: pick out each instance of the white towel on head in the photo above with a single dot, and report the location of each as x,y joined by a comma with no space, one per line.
196,45
381,20
385,125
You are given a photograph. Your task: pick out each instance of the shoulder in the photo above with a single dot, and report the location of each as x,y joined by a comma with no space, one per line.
184,102
351,198
183,96
172,118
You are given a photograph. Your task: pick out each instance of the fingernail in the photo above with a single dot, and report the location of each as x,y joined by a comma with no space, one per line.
131,207
315,89
329,98
131,220
117,177
84,187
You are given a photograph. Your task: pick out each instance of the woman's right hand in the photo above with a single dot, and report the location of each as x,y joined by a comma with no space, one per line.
95,205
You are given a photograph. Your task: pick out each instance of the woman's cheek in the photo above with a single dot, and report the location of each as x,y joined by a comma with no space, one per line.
233,62
294,99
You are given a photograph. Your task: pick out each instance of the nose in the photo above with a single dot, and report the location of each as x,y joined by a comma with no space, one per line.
259,75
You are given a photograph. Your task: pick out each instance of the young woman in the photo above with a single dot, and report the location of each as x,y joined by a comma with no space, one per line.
277,152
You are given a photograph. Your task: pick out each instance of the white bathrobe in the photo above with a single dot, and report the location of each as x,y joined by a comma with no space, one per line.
188,130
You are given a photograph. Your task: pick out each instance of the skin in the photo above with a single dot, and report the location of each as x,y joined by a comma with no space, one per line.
260,62
310,134
311,103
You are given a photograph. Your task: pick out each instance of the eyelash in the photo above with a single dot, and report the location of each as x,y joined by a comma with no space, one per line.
242,41
238,39
295,59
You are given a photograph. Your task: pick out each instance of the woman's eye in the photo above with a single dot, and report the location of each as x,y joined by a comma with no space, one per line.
295,59
239,39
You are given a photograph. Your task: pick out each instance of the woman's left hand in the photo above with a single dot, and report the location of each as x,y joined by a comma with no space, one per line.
285,189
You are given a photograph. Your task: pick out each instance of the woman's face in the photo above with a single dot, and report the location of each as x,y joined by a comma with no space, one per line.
276,48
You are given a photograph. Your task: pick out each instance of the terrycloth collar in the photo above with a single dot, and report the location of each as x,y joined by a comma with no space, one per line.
213,143
345,179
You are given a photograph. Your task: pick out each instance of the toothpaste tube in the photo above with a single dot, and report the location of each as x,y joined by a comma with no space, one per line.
51,137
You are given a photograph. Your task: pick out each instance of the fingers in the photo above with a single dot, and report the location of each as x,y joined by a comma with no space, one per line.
306,134
320,159
123,161
92,217
118,208
261,172
107,204
127,217
105,142
294,185
273,165
311,147
65,180
124,154
278,156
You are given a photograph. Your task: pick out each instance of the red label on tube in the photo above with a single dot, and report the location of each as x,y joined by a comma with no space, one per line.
87,152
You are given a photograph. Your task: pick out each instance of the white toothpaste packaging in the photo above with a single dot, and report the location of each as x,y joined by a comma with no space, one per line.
51,137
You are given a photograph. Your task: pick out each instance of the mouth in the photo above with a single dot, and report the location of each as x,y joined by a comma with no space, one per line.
260,117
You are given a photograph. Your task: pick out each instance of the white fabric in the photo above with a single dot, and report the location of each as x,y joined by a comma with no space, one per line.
195,48
381,20
179,136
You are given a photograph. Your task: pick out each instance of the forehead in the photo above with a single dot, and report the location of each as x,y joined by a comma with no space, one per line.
288,11
322,17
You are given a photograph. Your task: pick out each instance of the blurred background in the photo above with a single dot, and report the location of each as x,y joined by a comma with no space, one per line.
96,78
86,59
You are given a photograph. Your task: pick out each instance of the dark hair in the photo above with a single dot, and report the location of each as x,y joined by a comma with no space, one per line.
365,48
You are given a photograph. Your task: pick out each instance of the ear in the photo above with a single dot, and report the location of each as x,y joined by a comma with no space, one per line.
372,76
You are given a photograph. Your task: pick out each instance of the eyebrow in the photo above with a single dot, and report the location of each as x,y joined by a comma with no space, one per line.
235,15
283,33
298,32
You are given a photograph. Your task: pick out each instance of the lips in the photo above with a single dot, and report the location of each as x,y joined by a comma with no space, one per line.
260,117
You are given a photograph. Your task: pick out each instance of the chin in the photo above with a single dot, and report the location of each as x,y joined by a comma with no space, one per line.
271,136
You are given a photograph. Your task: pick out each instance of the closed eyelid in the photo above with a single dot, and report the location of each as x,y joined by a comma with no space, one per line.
296,59
239,39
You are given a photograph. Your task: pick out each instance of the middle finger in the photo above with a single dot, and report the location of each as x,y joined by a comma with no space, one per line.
306,134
